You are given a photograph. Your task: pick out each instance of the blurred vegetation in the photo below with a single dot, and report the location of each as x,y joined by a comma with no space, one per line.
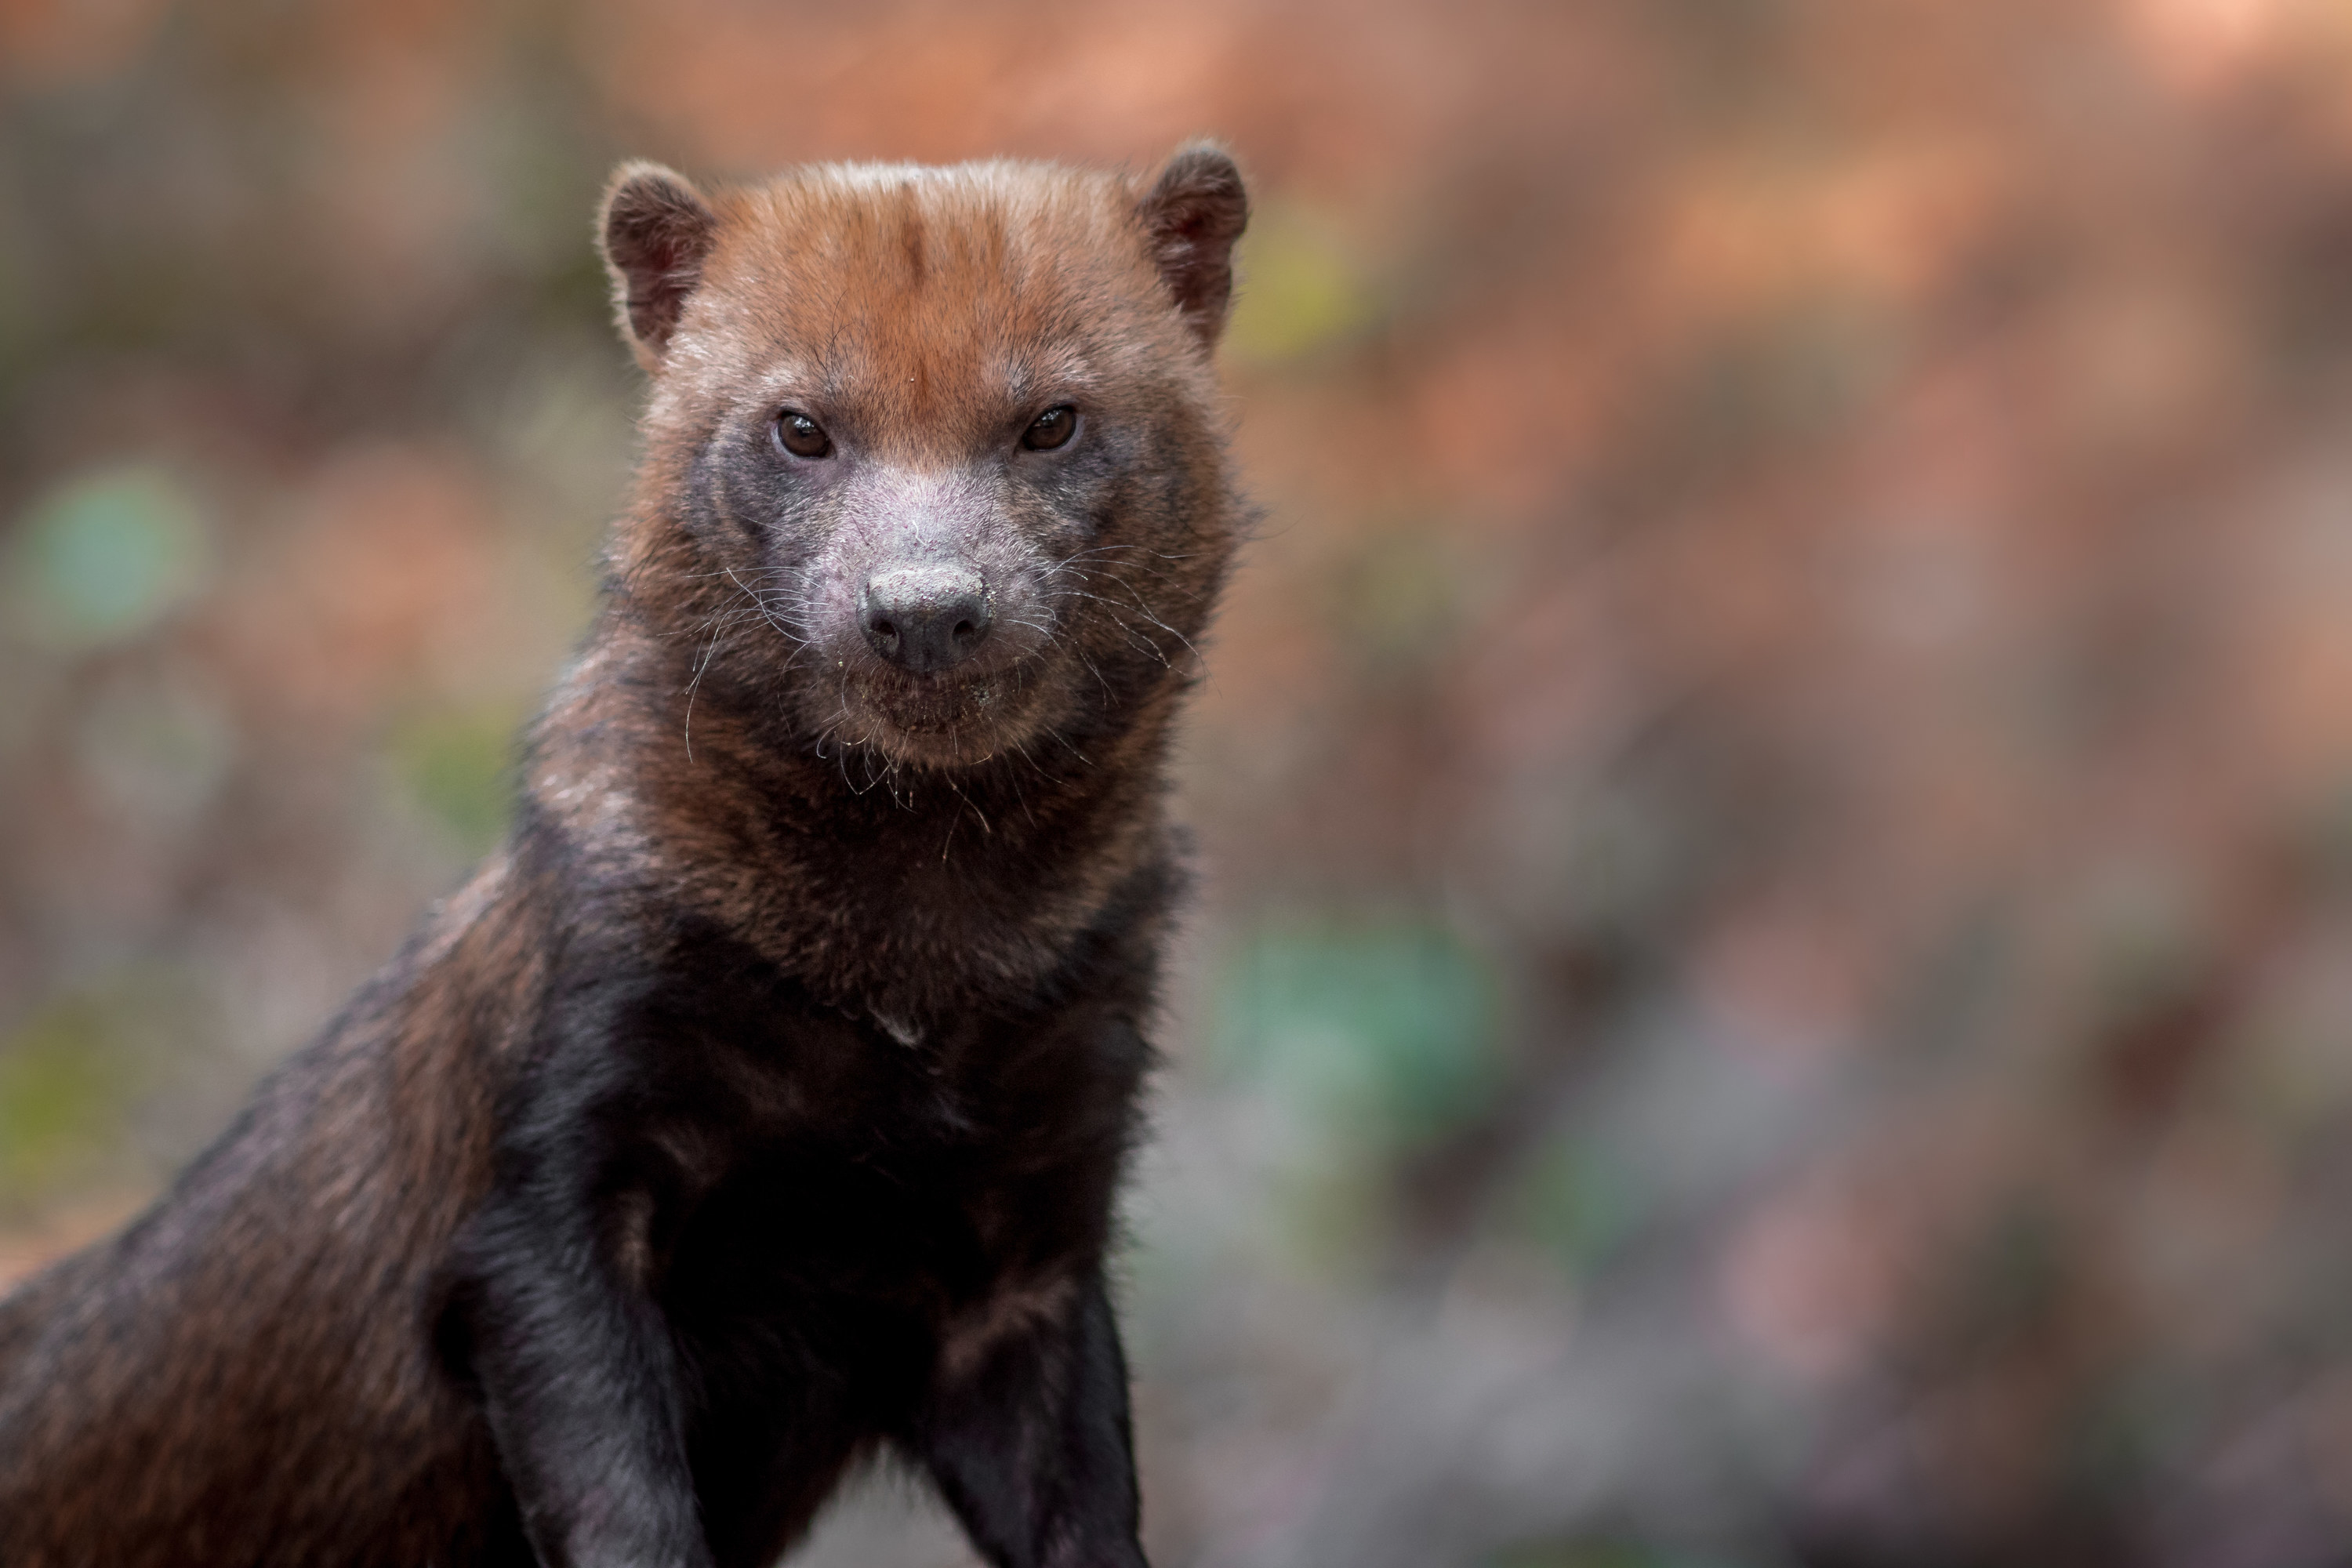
1304,294
60,1089
71,1074
1389,1032
458,766
104,558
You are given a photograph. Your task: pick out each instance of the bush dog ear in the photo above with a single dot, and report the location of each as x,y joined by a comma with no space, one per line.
656,232
1194,213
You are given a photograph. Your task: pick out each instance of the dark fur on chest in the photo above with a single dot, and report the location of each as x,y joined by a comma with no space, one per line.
825,1216
749,1132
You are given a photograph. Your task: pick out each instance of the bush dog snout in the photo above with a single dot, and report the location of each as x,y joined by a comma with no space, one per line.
926,619
760,1105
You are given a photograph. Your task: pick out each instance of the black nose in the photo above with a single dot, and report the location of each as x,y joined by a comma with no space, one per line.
926,617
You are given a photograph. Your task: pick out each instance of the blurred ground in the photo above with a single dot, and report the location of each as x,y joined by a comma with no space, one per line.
1775,983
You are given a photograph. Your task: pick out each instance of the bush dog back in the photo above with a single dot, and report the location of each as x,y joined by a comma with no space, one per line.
764,1102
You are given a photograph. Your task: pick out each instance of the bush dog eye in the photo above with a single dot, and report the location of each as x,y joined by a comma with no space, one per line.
801,435
1051,429
762,1104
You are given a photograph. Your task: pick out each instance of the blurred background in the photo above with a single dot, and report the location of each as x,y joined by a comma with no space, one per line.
1774,984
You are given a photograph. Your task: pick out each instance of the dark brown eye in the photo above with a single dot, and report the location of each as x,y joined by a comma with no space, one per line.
801,435
1051,429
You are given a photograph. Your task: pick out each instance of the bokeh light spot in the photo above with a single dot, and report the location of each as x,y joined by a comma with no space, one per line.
105,557
1300,290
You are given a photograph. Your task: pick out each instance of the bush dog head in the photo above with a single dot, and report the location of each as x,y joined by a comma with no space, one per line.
941,430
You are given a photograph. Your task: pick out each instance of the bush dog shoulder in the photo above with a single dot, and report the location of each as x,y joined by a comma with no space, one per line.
763,1103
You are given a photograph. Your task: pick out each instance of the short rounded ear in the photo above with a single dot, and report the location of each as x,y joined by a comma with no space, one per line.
657,233
1193,213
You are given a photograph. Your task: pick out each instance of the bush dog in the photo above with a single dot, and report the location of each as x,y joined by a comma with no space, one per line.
760,1105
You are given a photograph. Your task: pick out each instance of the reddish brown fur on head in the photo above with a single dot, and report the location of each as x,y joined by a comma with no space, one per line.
933,452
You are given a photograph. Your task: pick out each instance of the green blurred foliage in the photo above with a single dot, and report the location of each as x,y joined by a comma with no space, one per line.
77,1067
1384,1031
1577,1203
1300,288
61,1088
105,556
459,765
